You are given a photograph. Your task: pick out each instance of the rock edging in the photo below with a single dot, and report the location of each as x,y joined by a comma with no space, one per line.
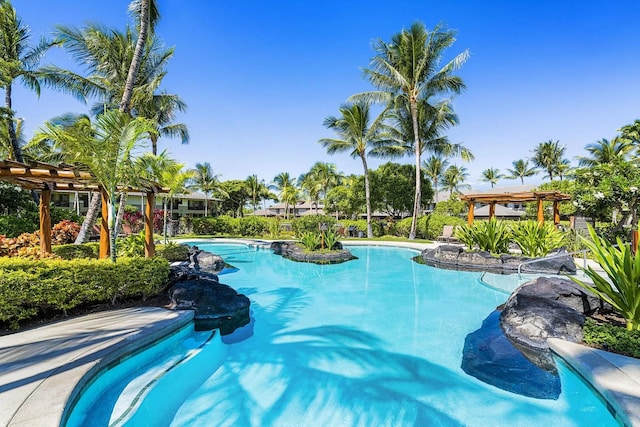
455,257
295,252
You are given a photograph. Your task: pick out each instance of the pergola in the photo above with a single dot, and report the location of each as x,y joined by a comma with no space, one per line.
46,178
530,196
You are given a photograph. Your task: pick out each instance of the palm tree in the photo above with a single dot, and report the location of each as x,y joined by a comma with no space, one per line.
169,174
327,176
605,151
257,190
147,14
434,167
548,156
288,193
405,71
18,62
161,109
359,137
491,175
206,181
106,150
453,179
521,170
311,186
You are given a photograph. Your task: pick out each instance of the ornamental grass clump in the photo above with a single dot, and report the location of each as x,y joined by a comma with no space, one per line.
492,236
535,239
621,287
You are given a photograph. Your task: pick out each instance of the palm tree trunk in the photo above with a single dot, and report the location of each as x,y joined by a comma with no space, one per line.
120,215
413,105
89,219
125,103
367,196
13,138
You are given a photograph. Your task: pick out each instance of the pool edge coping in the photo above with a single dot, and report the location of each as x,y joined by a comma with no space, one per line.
51,397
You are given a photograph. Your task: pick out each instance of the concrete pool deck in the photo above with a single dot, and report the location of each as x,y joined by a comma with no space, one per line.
41,367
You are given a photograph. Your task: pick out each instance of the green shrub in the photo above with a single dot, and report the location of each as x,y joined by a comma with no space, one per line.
467,235
621,287
206,225
86,250
274,228
535,239
312,223
431,226
30,286
612,338
252,226
62,214
361,225
131,246
173,252
331,237
13,226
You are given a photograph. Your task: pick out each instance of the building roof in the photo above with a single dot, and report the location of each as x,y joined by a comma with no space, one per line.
500,212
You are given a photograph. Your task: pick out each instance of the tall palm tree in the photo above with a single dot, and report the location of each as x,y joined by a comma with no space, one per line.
257,190
288,193
311,186
162,109
106,150
434,167
548,156
357,136
147,14
206,181
19,61
491,175
327,176
406,70
521,170
453,179
604,151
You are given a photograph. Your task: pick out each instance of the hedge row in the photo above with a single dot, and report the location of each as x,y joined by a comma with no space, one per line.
28,287
247,226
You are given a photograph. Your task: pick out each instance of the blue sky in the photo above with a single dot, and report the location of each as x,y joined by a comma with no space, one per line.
259,77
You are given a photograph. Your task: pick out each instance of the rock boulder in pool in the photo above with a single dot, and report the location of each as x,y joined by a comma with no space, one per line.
216,305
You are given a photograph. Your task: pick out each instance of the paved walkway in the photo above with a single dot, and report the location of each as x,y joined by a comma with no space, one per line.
40,368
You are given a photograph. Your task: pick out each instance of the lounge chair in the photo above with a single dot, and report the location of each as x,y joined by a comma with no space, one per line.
447,234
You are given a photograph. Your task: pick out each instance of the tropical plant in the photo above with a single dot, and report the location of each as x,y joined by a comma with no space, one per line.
106,150
359,137
19,61
535,239
310,240
288,193
492,176
453,179
406,71
521,170
605,151
493,236
548,156
331,237
206,181
621,286
434,168
132,245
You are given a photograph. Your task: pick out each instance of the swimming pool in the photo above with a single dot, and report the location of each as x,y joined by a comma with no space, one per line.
372,342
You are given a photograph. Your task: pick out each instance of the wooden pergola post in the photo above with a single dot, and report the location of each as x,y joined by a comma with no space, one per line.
45,220
540,211
149,246
492,210
470,215
556,212
105,248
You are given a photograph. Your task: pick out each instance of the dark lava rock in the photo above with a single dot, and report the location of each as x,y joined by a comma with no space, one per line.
490,357
216,305
205,261
295,252
542,308
455,257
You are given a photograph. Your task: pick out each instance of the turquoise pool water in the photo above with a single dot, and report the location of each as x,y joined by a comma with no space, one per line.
372,342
